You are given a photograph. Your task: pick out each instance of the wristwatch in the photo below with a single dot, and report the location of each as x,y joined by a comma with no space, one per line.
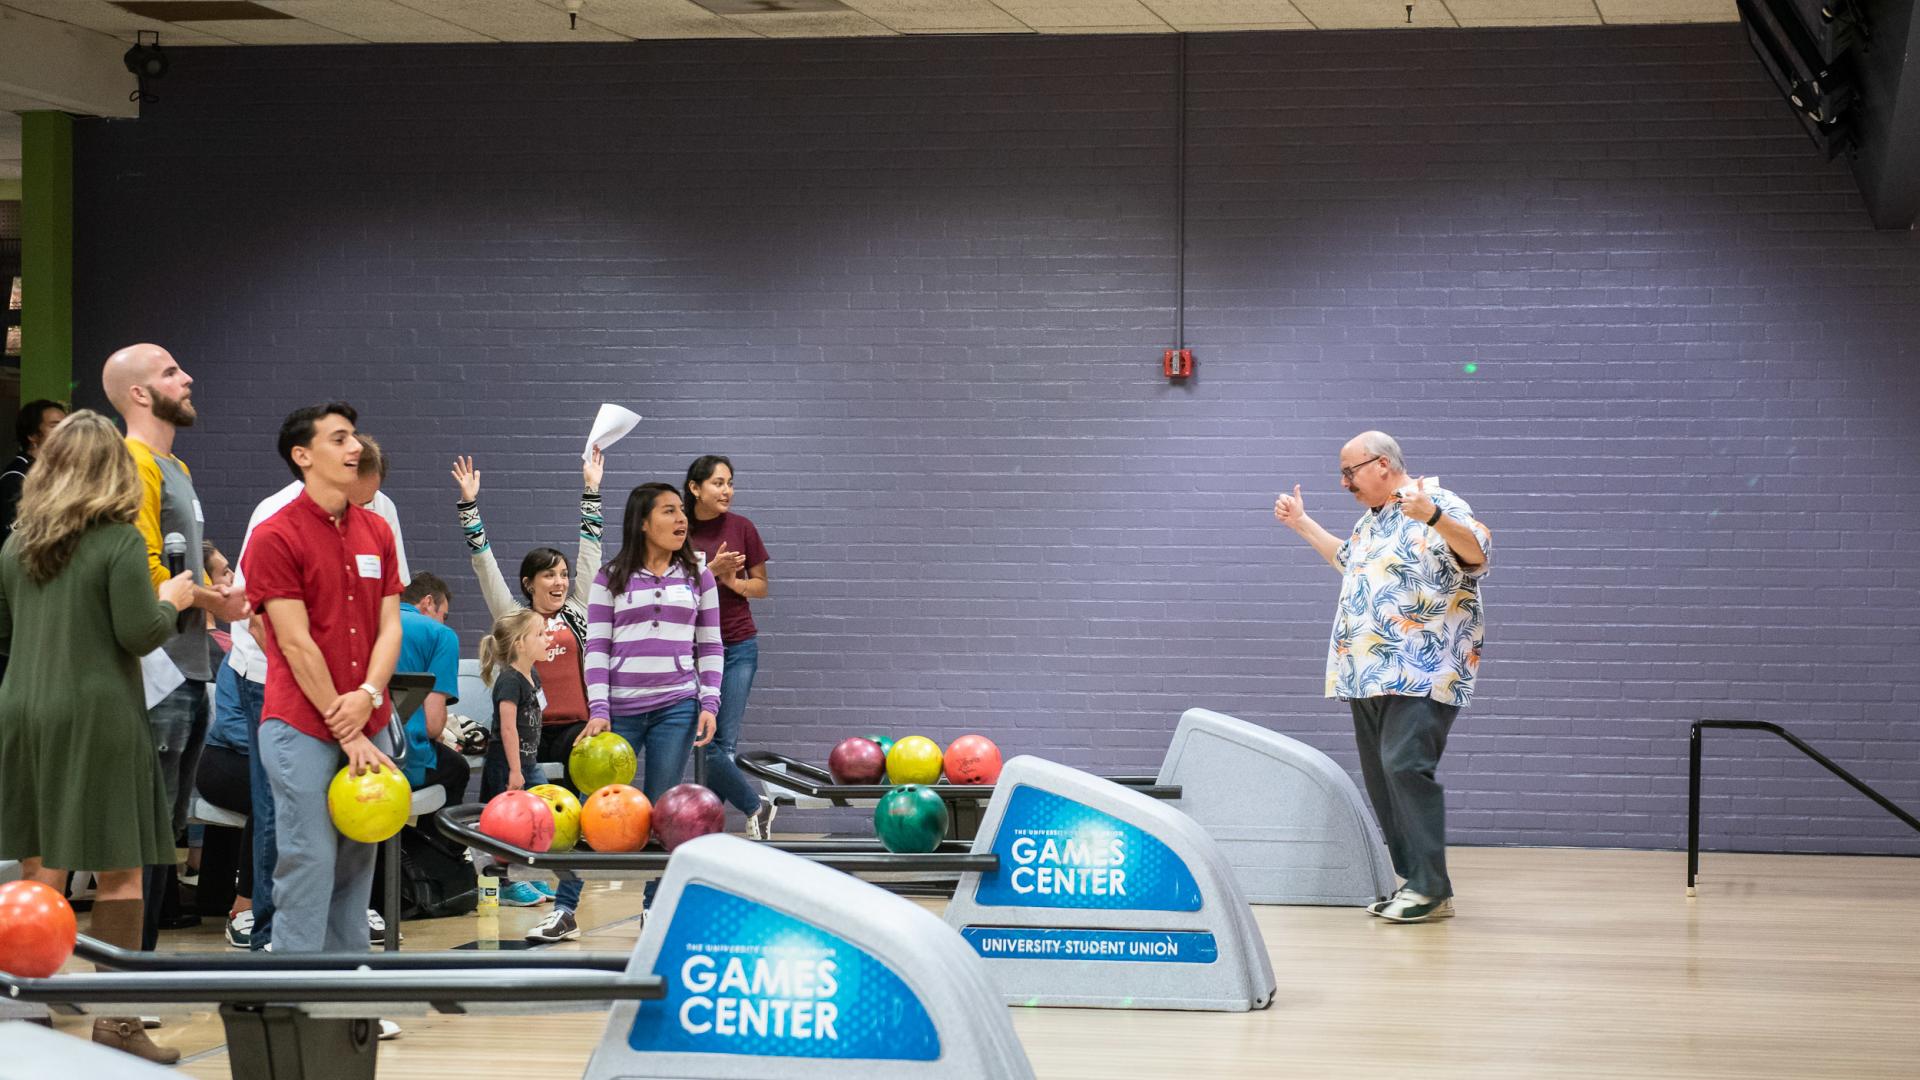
374,693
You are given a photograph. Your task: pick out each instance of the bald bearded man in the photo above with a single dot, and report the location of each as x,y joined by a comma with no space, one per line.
154,396
1405,648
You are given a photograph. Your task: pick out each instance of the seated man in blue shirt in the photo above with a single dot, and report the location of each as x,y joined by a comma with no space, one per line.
428,644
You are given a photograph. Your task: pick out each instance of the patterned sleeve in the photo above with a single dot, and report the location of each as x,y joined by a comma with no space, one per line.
599,648
587,563
1456,508
1346,547
486,569
709,655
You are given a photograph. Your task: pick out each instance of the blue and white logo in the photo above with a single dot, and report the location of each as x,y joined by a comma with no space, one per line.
1059,853
743,978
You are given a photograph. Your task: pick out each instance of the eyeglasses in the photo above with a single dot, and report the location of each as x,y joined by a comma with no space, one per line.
1347,472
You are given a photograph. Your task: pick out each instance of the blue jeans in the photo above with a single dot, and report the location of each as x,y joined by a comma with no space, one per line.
664,740
249,699
736,682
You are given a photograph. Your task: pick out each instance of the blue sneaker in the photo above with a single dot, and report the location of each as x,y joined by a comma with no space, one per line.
546,890
522,894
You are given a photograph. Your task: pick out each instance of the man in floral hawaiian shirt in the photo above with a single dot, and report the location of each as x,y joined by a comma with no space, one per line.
1406,645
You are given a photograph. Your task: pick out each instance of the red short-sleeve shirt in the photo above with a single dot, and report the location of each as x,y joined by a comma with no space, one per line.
343,573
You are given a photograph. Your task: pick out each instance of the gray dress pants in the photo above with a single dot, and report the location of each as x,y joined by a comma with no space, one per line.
1401,739
321,879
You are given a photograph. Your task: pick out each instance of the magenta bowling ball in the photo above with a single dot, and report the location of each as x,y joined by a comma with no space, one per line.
857,761
686,811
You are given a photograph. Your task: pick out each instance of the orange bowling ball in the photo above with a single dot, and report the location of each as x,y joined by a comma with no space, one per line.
616,818
972,759
37,929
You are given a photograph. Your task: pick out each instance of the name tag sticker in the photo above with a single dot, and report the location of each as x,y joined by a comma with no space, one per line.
369,566
198,515
541,697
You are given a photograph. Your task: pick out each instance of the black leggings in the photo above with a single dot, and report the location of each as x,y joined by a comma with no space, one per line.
226,855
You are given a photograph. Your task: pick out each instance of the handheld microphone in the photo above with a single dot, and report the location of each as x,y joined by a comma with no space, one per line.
174,548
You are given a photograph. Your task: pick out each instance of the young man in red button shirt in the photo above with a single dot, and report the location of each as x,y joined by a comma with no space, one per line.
322,573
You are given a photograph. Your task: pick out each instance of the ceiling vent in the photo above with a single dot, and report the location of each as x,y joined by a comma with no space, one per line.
769,7
189,11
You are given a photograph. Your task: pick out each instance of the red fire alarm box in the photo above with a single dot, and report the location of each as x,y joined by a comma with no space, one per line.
1178,363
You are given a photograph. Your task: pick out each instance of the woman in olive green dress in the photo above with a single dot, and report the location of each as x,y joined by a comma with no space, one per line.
80,785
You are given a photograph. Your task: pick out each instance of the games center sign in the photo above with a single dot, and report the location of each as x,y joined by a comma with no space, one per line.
743,978
1058,853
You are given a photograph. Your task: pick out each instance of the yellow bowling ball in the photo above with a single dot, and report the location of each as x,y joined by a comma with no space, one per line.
604,759
915,759
370,807
566,815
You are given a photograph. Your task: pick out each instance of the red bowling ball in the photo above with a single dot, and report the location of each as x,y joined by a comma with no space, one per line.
520,818
972,759
686,811
37,929
857,761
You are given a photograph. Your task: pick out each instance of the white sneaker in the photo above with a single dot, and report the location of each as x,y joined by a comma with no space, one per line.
240,929
377,928
1412,907
1378,906
389,1030
760,822
560,925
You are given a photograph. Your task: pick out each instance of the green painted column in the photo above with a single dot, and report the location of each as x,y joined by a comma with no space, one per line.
46,256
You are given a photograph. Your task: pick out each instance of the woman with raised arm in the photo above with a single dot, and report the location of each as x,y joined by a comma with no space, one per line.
557,592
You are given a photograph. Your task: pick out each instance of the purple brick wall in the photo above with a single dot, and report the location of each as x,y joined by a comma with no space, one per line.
917,289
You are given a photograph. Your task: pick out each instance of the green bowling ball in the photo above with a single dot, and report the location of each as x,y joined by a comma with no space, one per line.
603,759
886,744
910,820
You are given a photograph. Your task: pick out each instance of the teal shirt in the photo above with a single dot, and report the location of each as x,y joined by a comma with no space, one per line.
430,647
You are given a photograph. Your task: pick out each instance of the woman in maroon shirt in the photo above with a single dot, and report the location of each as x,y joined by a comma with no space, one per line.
738,562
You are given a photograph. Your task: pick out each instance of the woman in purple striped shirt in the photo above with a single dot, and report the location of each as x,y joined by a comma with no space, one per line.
653,640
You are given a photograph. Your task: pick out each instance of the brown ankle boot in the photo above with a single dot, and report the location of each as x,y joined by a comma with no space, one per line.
125,1033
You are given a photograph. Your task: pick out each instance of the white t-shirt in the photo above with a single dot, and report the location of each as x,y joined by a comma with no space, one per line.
247,658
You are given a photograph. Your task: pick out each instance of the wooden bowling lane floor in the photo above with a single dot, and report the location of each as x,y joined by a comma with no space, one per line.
1562,963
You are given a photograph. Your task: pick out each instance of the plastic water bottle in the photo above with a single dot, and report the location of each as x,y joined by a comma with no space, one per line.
489,889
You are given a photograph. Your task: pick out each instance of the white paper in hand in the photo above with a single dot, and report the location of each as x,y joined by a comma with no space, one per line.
1427,483
159,676
609,427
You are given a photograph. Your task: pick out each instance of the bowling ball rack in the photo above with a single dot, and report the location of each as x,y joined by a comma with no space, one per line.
309,1016
966,803
861,858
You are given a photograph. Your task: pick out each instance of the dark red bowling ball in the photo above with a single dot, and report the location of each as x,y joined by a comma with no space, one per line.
857,761
686,811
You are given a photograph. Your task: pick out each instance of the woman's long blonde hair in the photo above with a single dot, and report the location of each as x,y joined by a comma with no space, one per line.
496,649
82,477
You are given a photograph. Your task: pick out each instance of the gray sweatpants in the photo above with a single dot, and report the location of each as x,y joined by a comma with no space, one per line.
322,879
1401,739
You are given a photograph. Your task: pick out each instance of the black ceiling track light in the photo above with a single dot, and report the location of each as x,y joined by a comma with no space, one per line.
147,62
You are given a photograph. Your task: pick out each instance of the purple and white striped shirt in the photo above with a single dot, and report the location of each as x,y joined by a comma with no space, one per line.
654,644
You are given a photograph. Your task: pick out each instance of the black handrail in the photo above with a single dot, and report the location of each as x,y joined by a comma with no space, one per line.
461,825
104,955
316,987
1693,782
815,782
